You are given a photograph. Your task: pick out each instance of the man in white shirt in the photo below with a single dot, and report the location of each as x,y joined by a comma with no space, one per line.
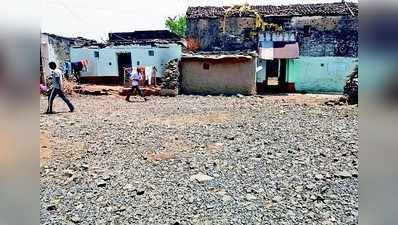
57,89
135,85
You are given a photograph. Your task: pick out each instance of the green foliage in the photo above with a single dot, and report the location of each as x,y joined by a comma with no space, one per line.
178,25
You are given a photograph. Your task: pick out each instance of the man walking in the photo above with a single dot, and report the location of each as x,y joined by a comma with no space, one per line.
135,84
56,89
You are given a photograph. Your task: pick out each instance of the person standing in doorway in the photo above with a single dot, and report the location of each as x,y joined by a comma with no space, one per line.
56,89
154,72
135,84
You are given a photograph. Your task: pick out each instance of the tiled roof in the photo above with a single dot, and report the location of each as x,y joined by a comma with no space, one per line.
323,9
148,35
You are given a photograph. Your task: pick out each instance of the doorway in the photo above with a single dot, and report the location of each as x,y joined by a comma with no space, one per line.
276,75
123,61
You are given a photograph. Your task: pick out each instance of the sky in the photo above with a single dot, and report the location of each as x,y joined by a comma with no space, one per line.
94,19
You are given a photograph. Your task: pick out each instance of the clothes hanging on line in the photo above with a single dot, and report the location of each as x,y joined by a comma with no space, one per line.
148,71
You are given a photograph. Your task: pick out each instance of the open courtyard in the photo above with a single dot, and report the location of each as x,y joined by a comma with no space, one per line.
276,159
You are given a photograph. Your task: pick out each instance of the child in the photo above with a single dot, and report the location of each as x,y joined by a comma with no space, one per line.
43,89
56,89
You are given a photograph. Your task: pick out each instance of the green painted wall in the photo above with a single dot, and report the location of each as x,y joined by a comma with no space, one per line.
319,74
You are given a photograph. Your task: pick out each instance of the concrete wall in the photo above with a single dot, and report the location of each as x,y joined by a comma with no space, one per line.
106,64
319,74
223,77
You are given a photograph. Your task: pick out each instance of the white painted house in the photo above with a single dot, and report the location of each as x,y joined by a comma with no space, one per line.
152,48
111,61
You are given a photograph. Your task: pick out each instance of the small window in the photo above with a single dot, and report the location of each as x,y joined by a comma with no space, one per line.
206,66
322,64
96,54
138,63
151,53
307,30
110,63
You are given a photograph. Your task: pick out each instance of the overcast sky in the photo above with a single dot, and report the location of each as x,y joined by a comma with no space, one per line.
95,18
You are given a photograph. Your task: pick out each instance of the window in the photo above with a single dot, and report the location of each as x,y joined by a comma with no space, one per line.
138,63
151,53
96,54
307,30
206,66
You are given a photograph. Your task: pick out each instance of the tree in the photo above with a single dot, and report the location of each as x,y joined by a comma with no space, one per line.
178,25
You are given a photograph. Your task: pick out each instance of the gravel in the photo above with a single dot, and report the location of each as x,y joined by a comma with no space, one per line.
201,160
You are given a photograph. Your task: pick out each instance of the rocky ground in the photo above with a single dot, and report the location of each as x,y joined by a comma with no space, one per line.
200,160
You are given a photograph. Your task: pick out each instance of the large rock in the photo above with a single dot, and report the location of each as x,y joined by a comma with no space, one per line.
168,92
201,178
343,174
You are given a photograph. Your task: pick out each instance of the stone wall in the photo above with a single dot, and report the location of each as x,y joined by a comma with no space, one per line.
205,31
317,35
60,48
327,36
239,33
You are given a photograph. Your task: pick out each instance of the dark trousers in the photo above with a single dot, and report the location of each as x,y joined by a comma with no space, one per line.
132,90
53,93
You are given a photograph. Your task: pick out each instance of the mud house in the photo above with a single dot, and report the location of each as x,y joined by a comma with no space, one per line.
303,47
223,73
128,50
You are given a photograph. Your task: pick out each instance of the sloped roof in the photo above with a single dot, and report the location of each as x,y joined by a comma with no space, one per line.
322,9
75,41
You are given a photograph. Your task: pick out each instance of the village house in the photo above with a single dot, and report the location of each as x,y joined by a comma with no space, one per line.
303,47
55,48
149,49
219,74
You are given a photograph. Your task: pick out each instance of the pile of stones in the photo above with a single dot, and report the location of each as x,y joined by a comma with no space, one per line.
171,75
351,86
